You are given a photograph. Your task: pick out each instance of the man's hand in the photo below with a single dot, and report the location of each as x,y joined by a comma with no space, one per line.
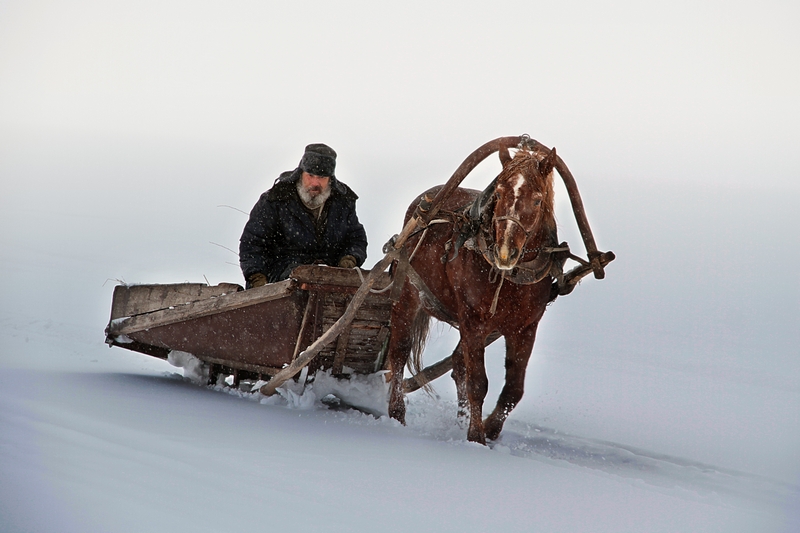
347,261
257,280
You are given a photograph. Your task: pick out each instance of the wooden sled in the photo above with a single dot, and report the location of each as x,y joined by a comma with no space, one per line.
255,333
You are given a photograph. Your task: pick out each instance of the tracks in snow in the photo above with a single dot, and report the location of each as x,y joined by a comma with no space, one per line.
659,470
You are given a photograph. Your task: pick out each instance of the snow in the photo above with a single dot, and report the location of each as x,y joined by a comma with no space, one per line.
193,368
110,440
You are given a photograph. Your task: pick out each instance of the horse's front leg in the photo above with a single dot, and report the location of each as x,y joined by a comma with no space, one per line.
477,383
518,353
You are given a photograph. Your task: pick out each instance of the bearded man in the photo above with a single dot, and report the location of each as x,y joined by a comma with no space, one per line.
307,217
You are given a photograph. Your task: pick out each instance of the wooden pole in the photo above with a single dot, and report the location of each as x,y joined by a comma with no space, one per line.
580,217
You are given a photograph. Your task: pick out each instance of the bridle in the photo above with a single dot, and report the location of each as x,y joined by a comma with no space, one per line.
518,222
515,220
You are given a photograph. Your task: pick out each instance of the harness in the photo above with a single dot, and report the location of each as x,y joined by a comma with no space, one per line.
472,226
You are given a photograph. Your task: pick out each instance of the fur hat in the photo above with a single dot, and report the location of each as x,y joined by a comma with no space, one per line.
320,160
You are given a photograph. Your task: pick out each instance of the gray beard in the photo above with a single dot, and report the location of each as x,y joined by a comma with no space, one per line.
312,202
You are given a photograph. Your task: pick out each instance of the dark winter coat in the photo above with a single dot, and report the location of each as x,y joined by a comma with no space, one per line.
282,234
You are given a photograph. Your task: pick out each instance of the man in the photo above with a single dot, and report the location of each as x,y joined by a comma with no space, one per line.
307,217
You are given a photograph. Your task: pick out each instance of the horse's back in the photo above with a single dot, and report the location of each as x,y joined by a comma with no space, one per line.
461,197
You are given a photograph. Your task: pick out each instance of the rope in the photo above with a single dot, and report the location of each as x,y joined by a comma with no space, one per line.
493,308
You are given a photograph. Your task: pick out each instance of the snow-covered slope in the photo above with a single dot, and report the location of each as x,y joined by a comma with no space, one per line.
99,439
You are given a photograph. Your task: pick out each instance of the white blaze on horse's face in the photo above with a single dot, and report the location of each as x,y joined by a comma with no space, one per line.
516,214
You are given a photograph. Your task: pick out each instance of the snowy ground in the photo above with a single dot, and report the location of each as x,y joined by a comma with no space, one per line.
105,440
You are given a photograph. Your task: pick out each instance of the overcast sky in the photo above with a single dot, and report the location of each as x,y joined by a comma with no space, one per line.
631,89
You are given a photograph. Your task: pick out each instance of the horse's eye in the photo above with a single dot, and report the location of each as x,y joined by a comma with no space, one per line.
537,202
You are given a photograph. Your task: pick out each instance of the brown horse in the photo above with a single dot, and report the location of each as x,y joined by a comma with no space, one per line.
486,266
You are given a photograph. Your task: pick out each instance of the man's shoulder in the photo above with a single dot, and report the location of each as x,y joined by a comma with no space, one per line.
283,189
344,191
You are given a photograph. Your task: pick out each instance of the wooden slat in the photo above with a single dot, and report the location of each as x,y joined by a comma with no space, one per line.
270,370
332,276
342,349
200,308
130,300
307,324
368,315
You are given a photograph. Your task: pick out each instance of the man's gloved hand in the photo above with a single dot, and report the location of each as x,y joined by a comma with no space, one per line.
347,261
257,280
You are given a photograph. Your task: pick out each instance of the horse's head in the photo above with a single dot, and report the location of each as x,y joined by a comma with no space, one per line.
523,210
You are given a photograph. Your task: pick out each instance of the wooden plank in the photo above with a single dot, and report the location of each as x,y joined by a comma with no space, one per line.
193,310
341,351
365,323
334,277
380,340
331,314
319,287
130,300
380,312
341,347
307,324
263,334
261,369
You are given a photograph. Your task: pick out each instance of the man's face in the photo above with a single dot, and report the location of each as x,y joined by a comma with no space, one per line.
315,185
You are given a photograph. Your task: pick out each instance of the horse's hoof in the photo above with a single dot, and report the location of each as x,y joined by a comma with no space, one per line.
475,436
493,432
494,435
399,415
493,425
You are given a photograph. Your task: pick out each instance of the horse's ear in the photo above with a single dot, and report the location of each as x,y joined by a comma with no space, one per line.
505,157
548,163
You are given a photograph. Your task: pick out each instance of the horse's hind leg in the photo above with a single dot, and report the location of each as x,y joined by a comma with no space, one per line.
400,342
518,353
459,375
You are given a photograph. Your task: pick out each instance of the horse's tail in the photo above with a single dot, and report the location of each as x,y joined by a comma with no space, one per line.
419,336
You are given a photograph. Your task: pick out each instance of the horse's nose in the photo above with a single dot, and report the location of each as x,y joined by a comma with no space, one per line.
505,256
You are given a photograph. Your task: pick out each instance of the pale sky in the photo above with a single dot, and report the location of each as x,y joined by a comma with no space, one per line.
638,90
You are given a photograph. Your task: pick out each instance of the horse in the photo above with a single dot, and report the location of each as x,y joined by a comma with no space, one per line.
486,266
